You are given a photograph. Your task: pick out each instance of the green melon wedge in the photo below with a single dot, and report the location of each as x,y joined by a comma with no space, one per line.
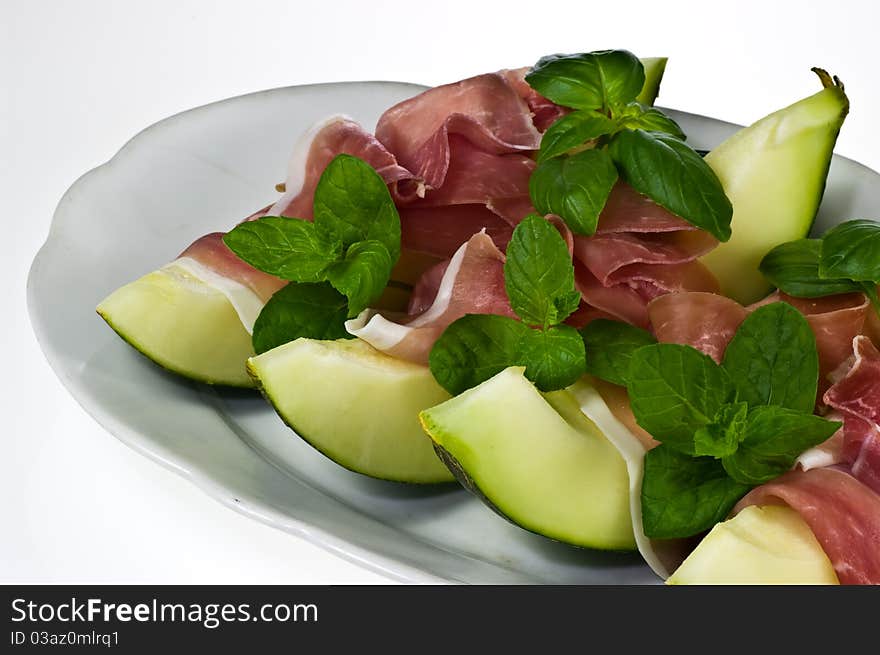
182,324
654,69
774,174
760,545
356,405
536,460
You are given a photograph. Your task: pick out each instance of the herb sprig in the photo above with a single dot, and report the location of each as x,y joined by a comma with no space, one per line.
539,278
610,136
337,264
845,259
723,428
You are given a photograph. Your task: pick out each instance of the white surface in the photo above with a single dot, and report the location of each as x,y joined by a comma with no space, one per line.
80,78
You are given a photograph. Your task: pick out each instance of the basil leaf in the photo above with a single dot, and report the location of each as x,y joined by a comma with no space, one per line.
638,116
675,390
674,176
772,359
362,275
474,348
851,250
539,275
289,248
683,496
774,438
594,80
793,268
722,436
554,358
352,202
573,130
610,346
574,187
314,311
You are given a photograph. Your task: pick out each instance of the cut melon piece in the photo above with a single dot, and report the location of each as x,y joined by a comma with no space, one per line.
774,174
356,405
184,324
536,460
760,545
654,69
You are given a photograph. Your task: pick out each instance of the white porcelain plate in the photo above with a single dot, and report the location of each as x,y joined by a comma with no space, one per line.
203,171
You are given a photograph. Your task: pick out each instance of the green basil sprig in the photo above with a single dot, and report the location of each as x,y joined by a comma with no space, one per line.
845,259
723,428
337,264
611,135
539,278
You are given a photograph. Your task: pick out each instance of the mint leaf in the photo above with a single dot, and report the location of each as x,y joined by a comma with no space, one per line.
793,268
573,130
674,391
594,80
851,250
289,248
314,311
638,116
722,436
574,187
362,275
474,348
352,202
554,358
610,346
683,496
774,438
674,176
539,275
772,359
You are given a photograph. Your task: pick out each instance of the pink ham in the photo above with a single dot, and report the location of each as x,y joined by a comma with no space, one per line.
857,397
639,252
486,110
439,231
544,111
318,146
211,252
471,283
843,514
706,321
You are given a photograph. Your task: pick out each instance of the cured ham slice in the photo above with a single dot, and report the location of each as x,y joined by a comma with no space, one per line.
333,136
857,397
544,112
639,252
706,321
486,110
843,514
472,283
477,176
212,253
440,231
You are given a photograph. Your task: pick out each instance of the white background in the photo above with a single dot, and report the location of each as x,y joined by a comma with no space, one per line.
77,79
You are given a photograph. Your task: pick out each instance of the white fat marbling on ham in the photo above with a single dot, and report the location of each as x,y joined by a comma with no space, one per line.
472,283
857,398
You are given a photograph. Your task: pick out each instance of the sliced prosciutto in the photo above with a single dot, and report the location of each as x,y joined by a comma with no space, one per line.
486,110
315,149
639,252
471,283
857,397
705,321
843,514
708,321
